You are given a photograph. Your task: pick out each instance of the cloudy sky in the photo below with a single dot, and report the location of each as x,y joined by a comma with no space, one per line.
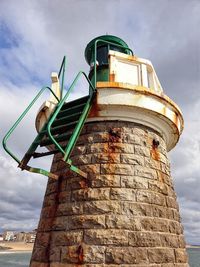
35,35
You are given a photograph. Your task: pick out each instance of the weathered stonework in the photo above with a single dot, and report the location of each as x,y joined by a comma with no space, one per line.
124,214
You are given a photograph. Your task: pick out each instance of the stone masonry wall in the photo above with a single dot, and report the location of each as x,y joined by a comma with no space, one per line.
124,214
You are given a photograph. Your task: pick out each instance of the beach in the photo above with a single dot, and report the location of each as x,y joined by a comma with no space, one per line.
16,246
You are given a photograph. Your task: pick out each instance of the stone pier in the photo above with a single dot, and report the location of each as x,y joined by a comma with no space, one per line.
124,214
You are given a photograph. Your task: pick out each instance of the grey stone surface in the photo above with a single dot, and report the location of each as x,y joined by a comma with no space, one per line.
124,214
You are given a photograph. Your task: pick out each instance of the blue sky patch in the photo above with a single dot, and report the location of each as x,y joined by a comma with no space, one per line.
8,38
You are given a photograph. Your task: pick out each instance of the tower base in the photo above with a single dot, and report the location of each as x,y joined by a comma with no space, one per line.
124,214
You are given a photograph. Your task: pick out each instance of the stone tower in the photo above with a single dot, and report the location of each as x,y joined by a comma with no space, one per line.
125,212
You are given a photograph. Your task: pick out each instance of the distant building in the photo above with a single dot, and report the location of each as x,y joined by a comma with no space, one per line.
1,238
8,236
30,237
21,237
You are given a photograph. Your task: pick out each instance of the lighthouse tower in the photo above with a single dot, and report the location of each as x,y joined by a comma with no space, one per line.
120,208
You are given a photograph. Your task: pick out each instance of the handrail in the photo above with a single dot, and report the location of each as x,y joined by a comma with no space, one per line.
80,124
60,106
62,70
95,55
4,142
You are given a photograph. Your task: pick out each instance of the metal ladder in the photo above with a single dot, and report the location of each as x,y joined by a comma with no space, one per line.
64,124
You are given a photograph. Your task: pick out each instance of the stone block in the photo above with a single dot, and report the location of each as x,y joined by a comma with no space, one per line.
144,239
136,209
142,151
72,254
151,163
64,196
161,255
165,168
181,256
81,159
44,225
120,169
131,138
122,194
176,215
161,212
164,178
158,199
106,158
91,194
52,188
59,223
93,254
91,169
69,209
48,212
175,227
105,180
42,239
158,186
144,196
102,207
134,182
132,159
55,254
126,255
40,254
49,200
169,240
145,172
154,224
121,148
78,183
115,237
182,243
66,238
122,222
172,203
97,148
86,221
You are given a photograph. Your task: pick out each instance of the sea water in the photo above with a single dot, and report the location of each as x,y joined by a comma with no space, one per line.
11,259
15,259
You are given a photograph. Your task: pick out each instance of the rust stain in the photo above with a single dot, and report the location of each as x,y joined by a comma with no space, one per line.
83,183
80,254
114,136
140,89
112,77
154,150
94,112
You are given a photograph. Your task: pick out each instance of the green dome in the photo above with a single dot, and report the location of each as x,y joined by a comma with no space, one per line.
110,38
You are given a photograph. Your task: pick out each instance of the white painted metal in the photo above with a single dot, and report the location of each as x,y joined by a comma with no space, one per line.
140,107
133,70
48,106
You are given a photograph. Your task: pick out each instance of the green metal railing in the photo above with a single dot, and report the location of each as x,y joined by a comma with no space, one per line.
5,139
62,71
95,55
80,124
47,127
72,141
8,134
